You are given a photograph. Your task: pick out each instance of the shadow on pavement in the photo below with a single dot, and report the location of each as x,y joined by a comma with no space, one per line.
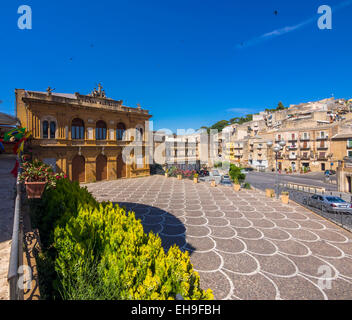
170,229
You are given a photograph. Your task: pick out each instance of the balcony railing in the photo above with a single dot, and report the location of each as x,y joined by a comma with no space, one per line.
322,147
305,138
322,138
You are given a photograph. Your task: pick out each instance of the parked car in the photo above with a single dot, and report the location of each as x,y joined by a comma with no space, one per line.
226,180
330,172
203,173
226,183
329,203
246,170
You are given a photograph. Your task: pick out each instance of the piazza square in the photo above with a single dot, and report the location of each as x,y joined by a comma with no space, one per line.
243,245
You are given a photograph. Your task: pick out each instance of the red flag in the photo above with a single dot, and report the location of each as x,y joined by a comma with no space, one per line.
14,171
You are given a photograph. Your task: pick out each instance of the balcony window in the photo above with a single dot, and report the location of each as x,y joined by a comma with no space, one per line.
349,143
305,136
121,128
321,155
45,129
139,134
49,129
52,130
77,129
349,154
100,131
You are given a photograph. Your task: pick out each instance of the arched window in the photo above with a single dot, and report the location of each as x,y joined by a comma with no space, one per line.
45,129
139,134
52,130
77,129
121,128
100,131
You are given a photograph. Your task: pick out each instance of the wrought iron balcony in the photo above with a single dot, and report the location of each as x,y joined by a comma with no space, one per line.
323,138
305,138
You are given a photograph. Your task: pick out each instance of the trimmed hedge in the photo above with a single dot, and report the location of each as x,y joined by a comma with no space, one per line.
100,251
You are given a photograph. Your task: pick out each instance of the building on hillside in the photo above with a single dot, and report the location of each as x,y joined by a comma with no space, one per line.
83,135
307,130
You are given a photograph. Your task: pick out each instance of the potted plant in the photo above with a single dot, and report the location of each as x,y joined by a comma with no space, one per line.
285,197
195,178
179,174
270,193
237,185
36,176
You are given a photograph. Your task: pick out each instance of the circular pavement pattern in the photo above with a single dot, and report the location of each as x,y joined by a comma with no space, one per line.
243,245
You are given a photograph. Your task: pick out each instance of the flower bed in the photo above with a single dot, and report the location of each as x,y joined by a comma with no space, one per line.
186,174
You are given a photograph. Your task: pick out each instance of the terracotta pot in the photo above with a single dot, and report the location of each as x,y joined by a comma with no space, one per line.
195,180
237,187
285,198
179,177
269,193
35,189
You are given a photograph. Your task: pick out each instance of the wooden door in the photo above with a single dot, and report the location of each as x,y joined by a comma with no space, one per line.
79,169
101,168
121,167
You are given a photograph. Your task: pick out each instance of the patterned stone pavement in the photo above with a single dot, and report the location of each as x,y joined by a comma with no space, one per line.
244,245
7,195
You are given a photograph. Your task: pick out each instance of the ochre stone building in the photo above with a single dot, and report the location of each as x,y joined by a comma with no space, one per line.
83,135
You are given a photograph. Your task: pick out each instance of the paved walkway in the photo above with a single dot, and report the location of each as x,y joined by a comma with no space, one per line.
244,245
7,202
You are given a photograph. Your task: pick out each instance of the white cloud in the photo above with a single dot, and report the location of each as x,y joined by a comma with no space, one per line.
240,110
287,29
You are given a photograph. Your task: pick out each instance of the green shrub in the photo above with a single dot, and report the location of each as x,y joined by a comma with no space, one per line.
247,186
218,164
235,173
123,262
98,251
57,206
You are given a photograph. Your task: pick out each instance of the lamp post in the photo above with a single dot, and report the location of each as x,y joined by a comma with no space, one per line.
277,148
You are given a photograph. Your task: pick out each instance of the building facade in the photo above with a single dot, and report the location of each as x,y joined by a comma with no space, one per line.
84,136
308,130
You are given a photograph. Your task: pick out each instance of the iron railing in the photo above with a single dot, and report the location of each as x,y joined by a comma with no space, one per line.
16,255
301,194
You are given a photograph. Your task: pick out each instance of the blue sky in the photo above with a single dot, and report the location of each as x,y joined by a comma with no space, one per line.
183,60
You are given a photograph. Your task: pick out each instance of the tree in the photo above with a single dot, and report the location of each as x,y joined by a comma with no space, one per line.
220,125
280,106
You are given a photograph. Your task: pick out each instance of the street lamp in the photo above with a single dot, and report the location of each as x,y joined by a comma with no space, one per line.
277,148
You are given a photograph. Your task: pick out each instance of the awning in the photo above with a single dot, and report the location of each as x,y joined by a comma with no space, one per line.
8,120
